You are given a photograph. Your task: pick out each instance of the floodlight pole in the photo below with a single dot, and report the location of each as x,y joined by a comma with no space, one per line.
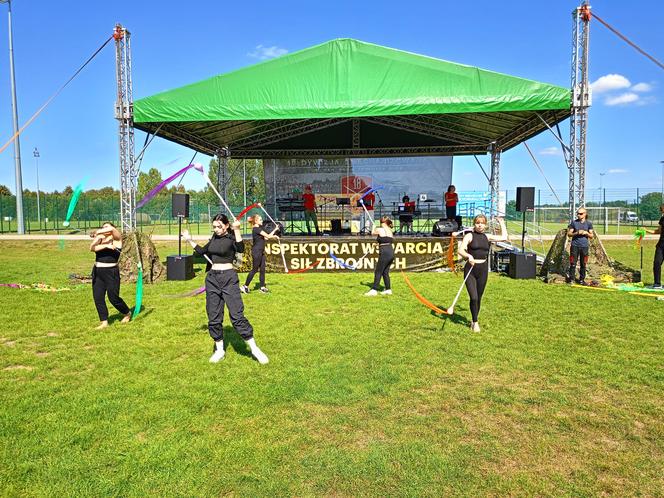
20,227
581,100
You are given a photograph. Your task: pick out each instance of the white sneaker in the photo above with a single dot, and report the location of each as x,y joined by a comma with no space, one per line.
387,292
218,354
244,289
475,327
372,292
257,353
260,356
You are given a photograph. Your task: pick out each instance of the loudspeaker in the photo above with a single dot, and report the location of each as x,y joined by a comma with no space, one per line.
444,227
523,265
180,267
525,199
180,205
336,227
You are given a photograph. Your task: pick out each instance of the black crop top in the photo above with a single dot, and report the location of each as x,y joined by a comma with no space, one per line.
107,256
479,246
221,249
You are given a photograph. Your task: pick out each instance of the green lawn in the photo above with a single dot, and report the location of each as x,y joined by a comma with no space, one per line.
559,395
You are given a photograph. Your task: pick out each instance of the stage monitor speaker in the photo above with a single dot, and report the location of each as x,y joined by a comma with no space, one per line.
180,267
180,204
523,265
444,228
525,199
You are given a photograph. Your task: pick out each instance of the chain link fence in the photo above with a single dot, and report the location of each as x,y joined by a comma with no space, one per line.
611,211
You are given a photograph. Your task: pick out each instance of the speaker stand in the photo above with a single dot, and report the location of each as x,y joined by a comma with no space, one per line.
179,235
523,232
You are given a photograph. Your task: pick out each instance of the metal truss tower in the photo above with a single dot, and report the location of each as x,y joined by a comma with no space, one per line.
124,113
494,180
581,100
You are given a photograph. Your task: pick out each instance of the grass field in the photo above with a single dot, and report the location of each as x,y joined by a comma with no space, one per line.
559,395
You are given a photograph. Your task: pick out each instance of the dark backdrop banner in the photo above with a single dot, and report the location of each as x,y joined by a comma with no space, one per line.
411,254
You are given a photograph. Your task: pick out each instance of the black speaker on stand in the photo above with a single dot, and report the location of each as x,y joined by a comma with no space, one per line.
523,265
180,267
525,201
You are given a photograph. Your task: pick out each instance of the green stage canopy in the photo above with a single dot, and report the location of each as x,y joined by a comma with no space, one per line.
351,98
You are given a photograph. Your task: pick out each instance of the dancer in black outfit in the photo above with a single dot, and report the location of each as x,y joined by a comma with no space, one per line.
475,248
259,236
107,245
223,287
659,251
385,256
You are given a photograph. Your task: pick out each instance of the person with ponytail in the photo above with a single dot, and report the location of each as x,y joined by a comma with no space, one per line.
475,248
259,237
385,257
223,287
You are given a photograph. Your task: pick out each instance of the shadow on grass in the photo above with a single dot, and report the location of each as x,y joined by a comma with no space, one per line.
233,339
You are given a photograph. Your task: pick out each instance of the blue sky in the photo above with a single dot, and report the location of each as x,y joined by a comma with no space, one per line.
176,43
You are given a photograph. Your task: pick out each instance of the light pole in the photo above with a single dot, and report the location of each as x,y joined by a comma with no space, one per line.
601,192
36,154
20,227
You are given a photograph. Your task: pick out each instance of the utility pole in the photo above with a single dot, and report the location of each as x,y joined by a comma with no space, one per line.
17,145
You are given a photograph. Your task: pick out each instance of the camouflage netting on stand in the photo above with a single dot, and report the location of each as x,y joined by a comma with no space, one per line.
556,263
153,270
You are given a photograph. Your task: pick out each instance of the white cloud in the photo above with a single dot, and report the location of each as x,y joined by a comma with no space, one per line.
263,53
551,151
610,82
614,171
623,98
641,87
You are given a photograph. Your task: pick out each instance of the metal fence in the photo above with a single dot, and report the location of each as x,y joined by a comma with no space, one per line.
608,209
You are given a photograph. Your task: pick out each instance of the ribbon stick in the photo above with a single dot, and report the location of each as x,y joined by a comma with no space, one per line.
247,209
193,293
310,267
148,197
450,255
371,190
341,262
281,247
638,235
422,299
73,201
367,211
209,182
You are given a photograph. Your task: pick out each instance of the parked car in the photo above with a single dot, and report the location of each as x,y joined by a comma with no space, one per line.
630,217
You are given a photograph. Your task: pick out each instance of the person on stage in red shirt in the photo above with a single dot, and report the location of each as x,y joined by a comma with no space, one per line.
310,209
451,201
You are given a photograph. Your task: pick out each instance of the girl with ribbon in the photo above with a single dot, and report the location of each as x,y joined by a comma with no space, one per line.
107,245
385,256
475,248
223,287
259,237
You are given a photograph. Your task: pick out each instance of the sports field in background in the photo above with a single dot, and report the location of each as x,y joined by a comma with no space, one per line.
559,395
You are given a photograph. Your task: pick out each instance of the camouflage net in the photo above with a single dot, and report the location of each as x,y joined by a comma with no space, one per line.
556,264
153,270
